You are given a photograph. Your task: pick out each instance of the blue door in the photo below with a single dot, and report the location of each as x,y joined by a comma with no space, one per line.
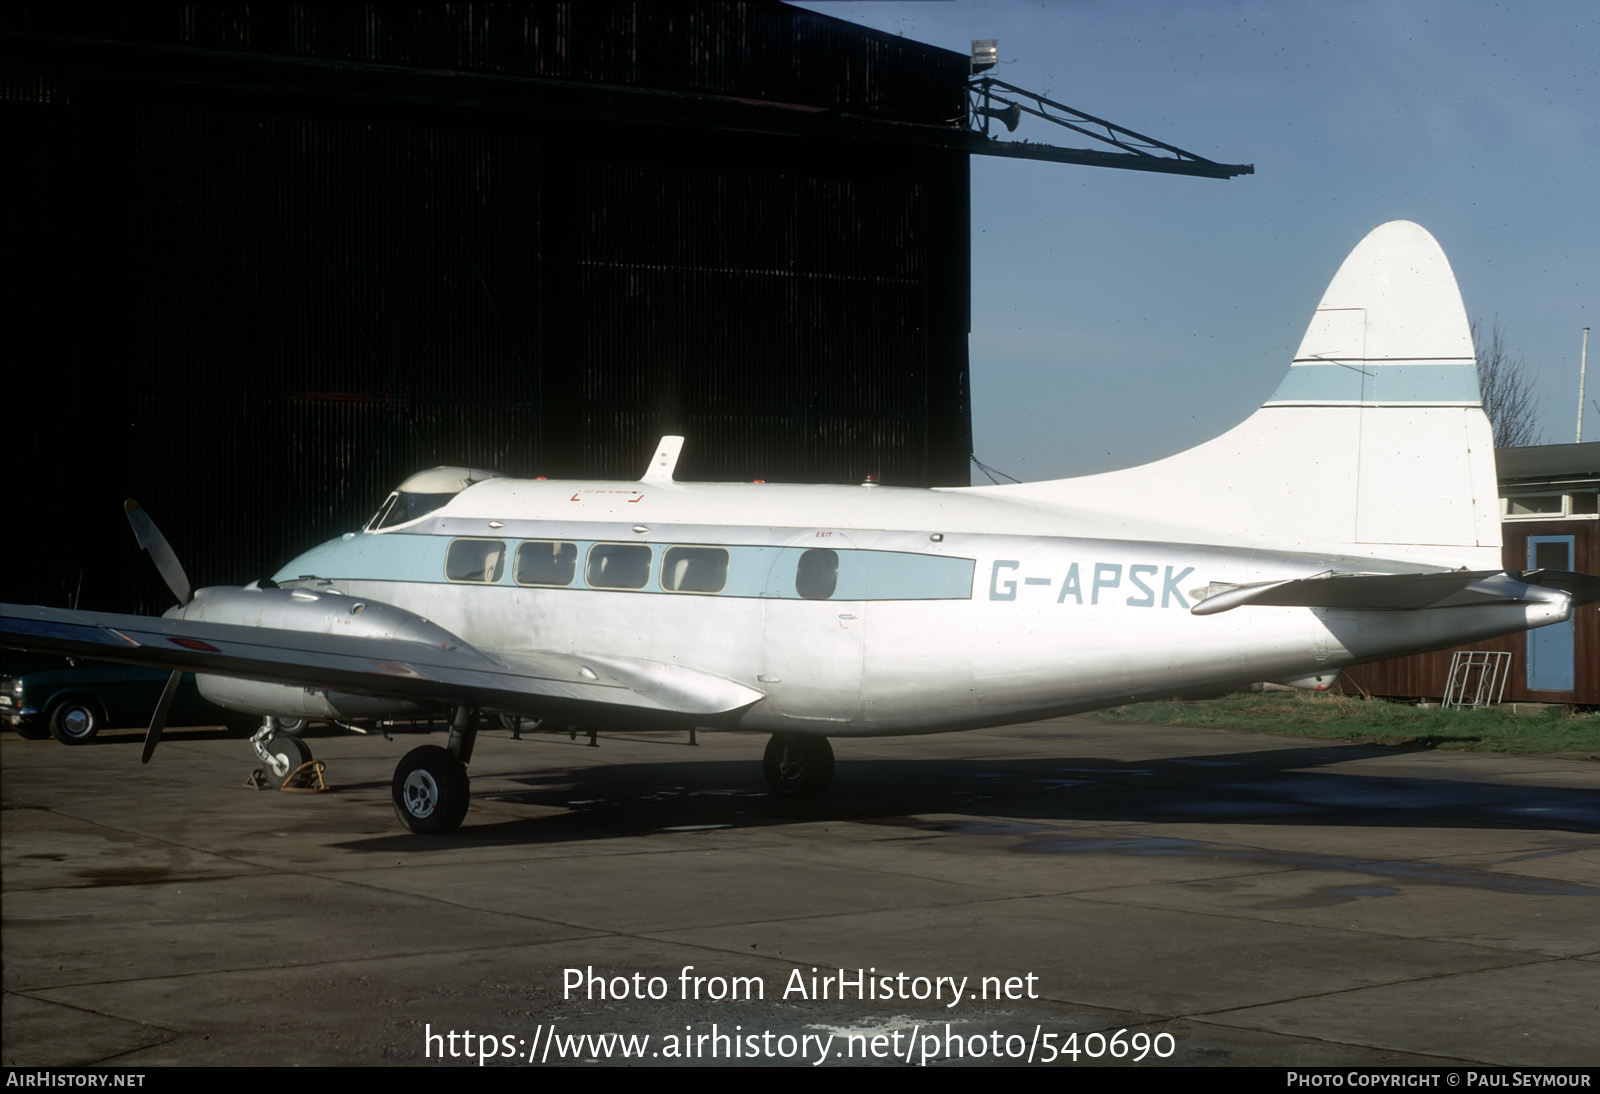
1550,653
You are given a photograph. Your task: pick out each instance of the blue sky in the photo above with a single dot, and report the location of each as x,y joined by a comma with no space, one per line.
1120,317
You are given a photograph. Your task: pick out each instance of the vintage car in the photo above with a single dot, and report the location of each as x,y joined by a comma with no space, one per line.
74,702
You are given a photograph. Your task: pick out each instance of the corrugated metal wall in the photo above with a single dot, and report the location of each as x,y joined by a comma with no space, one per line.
257,310
755,49
705,301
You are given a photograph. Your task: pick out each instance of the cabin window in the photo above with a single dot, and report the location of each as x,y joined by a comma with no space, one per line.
818,574
546,562
617,566
480,560
694,569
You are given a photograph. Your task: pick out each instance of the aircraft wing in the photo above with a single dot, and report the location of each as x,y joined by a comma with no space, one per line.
367,665
1406,592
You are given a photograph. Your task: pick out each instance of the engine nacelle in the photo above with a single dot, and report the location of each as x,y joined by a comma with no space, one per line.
288,701
321,611
324,611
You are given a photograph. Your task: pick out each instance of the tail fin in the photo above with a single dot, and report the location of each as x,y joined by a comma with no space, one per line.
1375,443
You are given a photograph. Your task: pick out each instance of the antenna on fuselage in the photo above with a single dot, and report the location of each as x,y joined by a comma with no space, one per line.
665,461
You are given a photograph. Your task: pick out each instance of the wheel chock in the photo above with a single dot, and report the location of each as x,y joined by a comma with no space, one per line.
306,779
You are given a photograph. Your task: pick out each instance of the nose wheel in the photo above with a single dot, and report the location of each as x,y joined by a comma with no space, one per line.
798,766
282,755
286,754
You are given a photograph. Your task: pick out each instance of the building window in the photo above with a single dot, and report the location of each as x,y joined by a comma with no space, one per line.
1536,505
1581,503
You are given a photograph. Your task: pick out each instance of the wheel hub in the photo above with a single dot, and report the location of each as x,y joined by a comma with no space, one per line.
421,794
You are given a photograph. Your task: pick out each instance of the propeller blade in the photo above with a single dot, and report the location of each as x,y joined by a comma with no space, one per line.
161,552
158,720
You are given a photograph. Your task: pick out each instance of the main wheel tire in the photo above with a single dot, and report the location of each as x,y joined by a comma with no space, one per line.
290,751
75,720
289,727
431,790
798,766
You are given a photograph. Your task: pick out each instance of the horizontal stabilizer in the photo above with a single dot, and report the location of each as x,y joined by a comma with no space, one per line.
366,665
1583,588
1407,592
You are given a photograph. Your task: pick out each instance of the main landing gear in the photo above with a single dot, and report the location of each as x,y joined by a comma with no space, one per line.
798,765
431,790
430,787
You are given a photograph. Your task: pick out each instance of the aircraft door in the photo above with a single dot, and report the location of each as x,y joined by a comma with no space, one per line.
814,632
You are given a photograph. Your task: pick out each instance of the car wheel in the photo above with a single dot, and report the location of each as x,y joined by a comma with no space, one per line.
76,720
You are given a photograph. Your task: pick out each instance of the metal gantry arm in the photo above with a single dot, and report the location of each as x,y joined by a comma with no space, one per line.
1141,152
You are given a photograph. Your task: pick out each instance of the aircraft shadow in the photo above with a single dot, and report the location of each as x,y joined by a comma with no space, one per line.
985,795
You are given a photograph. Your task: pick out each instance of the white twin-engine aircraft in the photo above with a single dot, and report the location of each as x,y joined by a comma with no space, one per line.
1353,517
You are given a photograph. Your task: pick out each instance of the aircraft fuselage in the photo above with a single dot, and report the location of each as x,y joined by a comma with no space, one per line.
853,631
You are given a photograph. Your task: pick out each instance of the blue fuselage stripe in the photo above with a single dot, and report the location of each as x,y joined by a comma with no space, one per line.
1376,382
753,571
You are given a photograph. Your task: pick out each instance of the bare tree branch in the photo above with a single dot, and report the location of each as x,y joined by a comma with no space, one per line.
1507,389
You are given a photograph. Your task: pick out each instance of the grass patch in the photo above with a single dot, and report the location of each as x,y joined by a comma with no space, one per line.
1375,721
